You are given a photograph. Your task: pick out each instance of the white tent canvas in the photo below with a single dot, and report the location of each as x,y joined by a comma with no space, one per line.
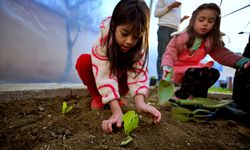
40,40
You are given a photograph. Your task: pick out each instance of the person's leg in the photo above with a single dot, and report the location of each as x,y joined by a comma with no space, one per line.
207,77
197,81
187,86
164,36
84,69
241,89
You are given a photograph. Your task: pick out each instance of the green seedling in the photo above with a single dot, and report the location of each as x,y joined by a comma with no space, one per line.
66,108
127,140
130,122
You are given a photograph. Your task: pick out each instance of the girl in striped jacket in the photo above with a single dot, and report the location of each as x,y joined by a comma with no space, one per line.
118,62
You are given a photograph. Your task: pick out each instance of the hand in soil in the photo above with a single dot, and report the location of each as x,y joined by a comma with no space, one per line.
150,111
115,119
146,109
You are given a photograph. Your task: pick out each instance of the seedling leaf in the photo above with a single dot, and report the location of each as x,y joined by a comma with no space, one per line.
127,140
131,120
64,107
69,109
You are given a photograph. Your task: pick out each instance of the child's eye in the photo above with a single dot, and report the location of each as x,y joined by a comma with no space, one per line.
211,20
124,33
201,19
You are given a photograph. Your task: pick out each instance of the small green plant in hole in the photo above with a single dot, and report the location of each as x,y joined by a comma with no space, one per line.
66,108
130,122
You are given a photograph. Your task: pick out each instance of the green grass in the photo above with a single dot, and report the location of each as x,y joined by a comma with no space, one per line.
219,90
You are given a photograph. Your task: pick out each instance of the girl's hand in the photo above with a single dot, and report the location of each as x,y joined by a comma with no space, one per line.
115,119
148,110
165,70
165,73
247,65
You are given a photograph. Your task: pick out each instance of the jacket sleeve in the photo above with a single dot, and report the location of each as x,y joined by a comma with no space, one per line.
138,83
160,9
171,53
106,82
225,57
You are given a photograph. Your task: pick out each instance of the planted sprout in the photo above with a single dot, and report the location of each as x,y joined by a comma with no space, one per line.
131,120
66,108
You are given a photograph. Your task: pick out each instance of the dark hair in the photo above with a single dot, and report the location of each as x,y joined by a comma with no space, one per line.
135,12
214,34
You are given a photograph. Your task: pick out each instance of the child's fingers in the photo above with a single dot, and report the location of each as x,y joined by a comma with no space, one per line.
104,126
164,74
107,126
247,65
119,123
153,113
157,116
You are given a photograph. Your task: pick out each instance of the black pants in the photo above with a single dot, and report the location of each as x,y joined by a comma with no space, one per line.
241,88
197,81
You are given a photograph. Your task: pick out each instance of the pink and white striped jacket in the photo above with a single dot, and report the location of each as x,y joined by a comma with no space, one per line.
106,82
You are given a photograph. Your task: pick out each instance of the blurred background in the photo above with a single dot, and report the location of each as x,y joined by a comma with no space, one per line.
40,40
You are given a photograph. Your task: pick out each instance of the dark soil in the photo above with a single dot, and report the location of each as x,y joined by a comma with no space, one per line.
40,125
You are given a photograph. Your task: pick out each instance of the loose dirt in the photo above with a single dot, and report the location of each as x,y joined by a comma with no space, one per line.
40,125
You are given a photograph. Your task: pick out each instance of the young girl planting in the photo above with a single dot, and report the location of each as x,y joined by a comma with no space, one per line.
186,50
118,62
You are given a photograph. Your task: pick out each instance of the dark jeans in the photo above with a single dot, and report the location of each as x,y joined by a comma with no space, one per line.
164,36
197,81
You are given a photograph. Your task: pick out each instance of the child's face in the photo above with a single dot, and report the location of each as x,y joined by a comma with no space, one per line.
125,38
204,22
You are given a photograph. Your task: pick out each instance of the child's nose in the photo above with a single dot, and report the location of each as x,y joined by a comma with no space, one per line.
129,40
205,23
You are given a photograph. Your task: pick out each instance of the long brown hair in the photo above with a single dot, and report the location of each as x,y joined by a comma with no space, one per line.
214,34
135,12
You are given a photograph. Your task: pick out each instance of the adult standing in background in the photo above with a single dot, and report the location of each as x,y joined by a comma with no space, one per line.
169,14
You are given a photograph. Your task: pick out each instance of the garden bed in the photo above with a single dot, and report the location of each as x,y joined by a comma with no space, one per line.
40,124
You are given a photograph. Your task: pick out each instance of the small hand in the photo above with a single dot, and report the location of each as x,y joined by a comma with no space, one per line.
115,119
165,71
247,65
150,111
